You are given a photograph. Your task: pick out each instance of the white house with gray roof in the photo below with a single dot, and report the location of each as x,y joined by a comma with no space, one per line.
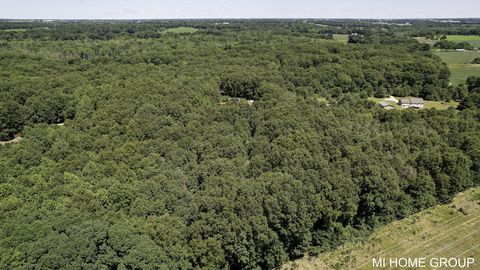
411,102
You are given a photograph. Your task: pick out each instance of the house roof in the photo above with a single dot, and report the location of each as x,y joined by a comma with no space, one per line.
404,101
384,104
412,100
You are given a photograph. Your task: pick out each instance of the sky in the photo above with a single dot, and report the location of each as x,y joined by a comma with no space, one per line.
195,9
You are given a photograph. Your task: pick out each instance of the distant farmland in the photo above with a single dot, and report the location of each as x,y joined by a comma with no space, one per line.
458,63
474,40
181,30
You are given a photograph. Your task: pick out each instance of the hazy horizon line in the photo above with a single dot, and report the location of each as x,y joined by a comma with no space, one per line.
243,18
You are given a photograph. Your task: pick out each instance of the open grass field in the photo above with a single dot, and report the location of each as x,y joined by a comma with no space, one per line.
449,230
454,57
181,30
341,38
440,105
460,72
462,38
14,30
474,40
458,64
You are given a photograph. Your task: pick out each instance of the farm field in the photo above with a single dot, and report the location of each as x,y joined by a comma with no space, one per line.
449,230
474,40
460,72
341,38
181,30
454,57
458,64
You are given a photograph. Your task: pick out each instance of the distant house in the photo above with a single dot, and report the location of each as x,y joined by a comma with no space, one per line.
385,105
460,50
411,103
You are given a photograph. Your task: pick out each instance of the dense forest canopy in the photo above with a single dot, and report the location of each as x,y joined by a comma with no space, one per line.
155,169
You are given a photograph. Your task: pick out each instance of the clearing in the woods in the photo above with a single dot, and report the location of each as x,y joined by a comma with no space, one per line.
181,30
341,38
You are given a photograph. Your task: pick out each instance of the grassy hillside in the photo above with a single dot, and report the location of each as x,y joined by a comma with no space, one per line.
449,230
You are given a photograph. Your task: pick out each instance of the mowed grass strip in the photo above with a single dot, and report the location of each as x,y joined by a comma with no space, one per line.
443,231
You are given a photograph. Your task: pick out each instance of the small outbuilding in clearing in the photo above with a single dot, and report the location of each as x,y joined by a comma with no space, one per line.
385,105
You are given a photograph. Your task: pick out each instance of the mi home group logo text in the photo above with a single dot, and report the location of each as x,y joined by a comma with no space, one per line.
440,263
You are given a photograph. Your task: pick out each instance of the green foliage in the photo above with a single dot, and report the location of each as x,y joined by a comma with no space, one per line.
472,99
476,61
152,169
450,45
241,86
